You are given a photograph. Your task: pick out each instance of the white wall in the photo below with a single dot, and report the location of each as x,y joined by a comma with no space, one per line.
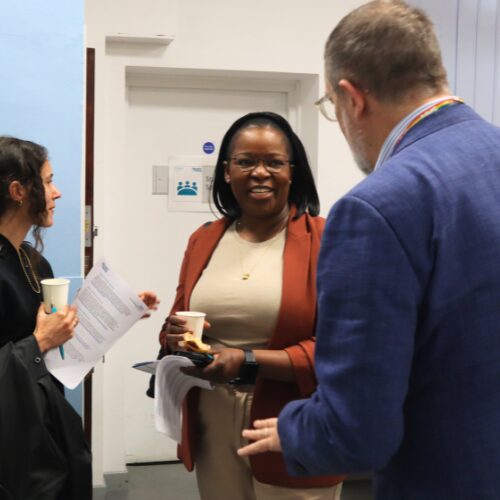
279,36
469,34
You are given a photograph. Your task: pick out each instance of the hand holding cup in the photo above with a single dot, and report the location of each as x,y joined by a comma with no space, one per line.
182,323
55,293
57,325
53,330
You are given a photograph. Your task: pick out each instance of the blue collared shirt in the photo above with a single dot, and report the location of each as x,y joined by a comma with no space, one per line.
399,130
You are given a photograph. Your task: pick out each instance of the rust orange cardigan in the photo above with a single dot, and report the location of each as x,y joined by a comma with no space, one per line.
294,333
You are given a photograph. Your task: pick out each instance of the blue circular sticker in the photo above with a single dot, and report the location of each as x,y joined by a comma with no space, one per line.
209,148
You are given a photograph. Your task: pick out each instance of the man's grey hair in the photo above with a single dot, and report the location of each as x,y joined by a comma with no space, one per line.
387,48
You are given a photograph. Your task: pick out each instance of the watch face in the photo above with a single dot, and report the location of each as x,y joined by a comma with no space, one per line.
250,358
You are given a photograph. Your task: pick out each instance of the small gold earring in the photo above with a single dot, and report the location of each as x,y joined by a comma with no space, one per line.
19,203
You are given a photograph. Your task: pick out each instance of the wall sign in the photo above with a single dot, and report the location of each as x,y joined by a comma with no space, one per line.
208,148
189,180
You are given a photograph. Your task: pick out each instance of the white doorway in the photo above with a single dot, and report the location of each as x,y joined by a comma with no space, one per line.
166,116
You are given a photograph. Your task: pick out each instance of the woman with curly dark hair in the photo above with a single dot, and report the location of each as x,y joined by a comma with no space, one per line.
43,452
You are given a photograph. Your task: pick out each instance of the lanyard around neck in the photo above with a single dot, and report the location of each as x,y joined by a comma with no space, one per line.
432,108
408,122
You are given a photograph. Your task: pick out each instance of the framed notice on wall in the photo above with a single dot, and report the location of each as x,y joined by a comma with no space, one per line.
189,180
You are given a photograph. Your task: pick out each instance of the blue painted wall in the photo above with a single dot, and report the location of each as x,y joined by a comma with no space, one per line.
42,99
469,33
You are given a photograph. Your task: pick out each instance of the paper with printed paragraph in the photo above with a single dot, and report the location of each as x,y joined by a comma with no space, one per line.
171,387
107,308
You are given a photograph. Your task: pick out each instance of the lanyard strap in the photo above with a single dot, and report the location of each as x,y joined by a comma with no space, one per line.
447,101
416,116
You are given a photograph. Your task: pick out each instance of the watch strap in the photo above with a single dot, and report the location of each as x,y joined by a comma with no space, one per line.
248,369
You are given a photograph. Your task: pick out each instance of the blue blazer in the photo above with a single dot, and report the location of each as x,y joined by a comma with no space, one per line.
408,332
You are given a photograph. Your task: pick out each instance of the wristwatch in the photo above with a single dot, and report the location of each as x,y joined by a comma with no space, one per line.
248,370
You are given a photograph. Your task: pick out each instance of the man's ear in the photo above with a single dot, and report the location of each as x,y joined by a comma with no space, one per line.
17,191
354,96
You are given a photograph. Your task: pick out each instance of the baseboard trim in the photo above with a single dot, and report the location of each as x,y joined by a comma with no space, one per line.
160,462
116,481
113,481
99,493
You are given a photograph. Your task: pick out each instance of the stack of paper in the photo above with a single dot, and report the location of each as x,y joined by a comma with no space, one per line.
171,387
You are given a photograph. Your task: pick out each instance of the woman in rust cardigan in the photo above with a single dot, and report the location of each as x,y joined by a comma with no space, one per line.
253,273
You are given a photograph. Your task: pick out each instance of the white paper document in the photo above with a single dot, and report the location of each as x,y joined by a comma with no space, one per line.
107,309
171,387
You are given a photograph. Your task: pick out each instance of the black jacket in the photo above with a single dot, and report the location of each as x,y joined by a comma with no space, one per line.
43,453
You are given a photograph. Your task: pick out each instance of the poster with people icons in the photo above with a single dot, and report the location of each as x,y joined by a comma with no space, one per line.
189,184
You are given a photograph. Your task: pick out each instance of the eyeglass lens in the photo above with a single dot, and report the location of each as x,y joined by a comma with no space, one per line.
249,163
327,108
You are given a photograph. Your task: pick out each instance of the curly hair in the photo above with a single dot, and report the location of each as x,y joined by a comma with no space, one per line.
22,161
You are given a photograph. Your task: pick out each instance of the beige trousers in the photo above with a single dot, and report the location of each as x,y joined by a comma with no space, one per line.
221,473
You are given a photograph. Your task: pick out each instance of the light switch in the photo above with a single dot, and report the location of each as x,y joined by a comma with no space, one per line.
160,179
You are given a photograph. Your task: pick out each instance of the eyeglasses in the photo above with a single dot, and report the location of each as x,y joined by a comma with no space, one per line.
273,164
327,107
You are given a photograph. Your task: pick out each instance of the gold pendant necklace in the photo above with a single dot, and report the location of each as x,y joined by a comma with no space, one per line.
27,265
245,274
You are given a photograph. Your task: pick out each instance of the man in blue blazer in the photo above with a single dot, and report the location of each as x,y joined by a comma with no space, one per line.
408,332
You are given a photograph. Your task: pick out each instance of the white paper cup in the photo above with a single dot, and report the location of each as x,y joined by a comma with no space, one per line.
55,293
194,321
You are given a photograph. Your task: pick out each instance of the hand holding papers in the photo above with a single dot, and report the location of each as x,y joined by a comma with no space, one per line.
107,309
171,387
151,301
